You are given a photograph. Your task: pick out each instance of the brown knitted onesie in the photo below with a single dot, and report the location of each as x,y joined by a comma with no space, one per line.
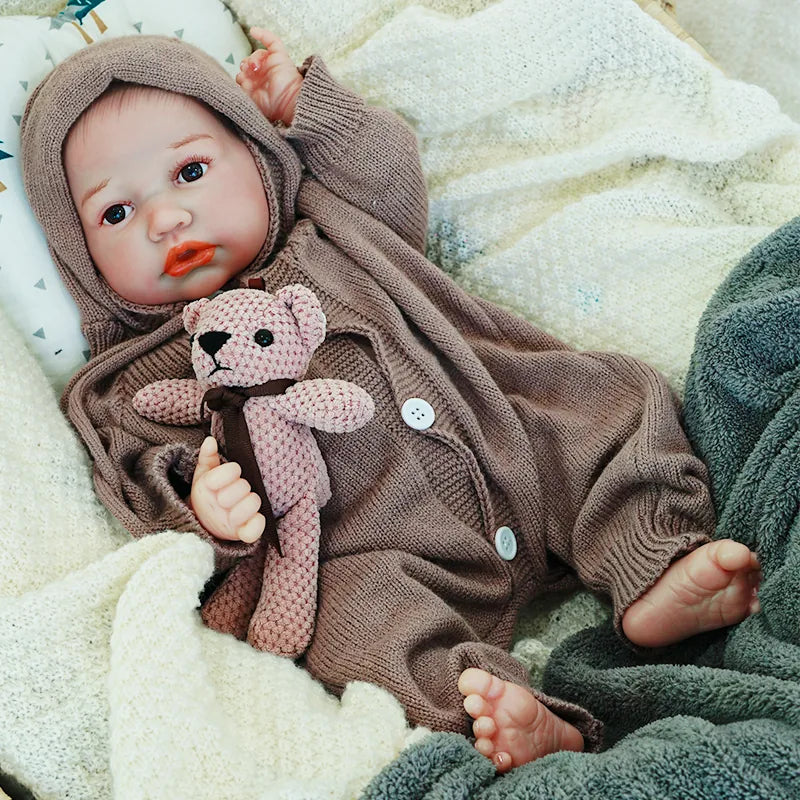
577,459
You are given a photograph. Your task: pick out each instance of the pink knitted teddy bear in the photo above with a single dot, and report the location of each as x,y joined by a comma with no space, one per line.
248,338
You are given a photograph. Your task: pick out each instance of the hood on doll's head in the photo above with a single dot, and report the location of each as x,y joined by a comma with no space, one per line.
61,98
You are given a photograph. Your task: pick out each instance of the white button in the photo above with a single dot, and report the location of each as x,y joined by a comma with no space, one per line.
505,543
417,413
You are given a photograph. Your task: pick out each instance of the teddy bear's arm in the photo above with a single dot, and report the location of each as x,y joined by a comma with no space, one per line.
176,401
331,405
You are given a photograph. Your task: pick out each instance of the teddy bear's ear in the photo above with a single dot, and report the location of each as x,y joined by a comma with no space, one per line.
307,310
191,314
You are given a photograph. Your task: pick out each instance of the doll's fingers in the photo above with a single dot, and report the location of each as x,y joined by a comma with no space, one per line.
222,475
252,529
207,458
228,496
267,38
244,510
254,62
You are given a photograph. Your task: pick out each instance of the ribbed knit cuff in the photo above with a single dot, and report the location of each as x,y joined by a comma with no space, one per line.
326,119
176,514
588,726
639,558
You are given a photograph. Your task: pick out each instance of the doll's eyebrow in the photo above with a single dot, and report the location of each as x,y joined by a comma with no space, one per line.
94,190
192,137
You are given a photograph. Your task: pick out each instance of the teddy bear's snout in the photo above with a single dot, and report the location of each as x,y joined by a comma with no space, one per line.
212,341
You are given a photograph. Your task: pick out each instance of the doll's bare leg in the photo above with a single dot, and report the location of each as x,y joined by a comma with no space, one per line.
284,617
711,587
511,726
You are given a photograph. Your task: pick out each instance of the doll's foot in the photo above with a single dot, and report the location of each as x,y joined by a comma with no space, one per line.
711,587
511,726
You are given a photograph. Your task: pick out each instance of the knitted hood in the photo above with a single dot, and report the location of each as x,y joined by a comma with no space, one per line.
55,105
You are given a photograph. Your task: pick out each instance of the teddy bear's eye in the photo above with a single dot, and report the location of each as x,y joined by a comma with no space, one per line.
263,337
191,340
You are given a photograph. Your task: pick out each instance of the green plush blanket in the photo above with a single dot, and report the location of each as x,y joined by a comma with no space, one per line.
717,716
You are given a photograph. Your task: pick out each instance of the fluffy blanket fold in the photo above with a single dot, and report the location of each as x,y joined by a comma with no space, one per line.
719,715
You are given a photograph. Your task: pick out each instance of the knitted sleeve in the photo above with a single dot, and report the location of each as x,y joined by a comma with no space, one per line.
367,156
142,469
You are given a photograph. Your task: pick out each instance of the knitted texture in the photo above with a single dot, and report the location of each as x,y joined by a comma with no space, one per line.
172,740
752,40
714,716
588,170
242,338
41,7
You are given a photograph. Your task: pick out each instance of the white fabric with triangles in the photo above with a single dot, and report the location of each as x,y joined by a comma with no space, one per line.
30,289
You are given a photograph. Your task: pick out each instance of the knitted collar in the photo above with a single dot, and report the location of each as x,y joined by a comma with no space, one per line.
61,98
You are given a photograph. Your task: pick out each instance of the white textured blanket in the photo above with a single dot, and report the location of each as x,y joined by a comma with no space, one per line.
585,168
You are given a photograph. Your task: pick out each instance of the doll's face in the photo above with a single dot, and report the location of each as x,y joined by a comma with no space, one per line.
171,202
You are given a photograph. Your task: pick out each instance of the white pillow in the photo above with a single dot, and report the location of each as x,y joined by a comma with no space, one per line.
31,292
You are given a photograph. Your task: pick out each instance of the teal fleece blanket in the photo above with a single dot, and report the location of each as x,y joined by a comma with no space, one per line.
717,716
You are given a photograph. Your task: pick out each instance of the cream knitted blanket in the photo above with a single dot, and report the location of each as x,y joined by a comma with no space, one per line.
586,169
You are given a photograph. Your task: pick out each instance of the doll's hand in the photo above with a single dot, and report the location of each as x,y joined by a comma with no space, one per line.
270,78
222,499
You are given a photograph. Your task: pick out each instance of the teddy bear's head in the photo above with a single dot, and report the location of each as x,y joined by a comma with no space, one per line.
245,337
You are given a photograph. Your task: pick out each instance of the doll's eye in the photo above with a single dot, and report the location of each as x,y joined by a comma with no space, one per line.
191,340
117,213
192,172
263,337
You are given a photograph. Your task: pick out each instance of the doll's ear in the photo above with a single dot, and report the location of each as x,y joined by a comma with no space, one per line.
191,314
307,310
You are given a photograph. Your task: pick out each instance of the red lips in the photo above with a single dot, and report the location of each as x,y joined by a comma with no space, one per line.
186,256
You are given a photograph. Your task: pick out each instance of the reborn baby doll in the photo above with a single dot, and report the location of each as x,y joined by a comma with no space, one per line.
499,464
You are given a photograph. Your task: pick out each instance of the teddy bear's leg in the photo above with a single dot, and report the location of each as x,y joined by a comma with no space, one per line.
284,617
231,606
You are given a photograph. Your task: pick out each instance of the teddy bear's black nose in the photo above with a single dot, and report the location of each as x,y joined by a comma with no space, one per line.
212,341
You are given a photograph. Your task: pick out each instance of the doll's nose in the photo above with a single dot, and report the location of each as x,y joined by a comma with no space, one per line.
212,341
166,218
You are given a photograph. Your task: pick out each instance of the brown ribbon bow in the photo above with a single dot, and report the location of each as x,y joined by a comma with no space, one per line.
229,402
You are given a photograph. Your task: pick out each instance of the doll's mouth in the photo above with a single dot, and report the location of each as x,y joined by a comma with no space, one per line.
217,368
186,256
